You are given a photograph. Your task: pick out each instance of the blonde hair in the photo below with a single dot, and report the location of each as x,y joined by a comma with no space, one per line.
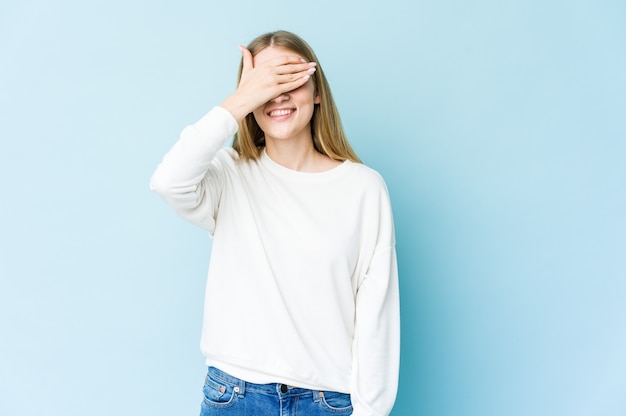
328,136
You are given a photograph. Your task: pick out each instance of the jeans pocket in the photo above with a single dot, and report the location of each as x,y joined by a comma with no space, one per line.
334,402
218,394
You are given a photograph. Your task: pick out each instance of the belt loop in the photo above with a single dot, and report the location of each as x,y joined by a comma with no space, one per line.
240,388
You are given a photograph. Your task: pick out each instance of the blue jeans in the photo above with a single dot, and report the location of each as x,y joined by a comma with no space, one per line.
227,395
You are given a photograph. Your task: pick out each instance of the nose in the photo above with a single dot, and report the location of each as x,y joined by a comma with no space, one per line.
281,98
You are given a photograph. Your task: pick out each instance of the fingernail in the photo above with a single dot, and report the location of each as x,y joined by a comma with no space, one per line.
303,60
312,64
311,70
306,77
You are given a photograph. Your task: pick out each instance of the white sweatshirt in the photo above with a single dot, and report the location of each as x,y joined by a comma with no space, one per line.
302,286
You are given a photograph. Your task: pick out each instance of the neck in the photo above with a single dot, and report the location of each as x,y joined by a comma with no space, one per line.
293,154
299,158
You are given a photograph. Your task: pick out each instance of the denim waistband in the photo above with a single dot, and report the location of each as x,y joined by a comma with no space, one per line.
282,390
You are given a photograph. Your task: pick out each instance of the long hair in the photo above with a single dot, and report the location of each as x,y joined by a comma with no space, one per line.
328,136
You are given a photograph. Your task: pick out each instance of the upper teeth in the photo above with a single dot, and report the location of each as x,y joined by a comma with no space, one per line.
280,112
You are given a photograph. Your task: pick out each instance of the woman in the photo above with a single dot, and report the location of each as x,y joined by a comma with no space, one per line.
301,310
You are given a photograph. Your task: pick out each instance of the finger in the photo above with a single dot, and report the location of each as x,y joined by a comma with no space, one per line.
284,60
296,76
293,85
247,58
295,68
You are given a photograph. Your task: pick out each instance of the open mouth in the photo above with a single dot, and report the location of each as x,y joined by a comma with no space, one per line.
281,112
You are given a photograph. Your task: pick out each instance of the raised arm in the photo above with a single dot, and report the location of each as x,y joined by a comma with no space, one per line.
189,178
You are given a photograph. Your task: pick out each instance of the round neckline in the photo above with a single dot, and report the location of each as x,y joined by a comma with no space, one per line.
283,171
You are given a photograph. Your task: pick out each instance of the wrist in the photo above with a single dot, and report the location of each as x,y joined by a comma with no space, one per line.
236,107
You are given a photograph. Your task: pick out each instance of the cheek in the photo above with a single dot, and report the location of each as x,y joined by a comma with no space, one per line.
257,114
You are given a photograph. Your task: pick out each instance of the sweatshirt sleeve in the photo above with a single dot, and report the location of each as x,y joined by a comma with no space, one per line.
376,345
190,178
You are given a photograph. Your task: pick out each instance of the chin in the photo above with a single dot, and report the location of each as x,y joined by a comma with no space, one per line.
279,137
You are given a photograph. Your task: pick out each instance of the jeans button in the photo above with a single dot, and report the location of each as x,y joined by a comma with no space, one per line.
283,388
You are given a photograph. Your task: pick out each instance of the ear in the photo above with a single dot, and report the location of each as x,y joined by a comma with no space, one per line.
317,99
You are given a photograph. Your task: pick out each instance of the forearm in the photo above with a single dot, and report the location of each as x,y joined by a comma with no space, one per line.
185,177
187,161
377,339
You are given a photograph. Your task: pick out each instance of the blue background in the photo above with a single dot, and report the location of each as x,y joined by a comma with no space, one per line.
499,126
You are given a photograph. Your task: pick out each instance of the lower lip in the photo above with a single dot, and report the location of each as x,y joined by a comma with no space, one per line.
282,117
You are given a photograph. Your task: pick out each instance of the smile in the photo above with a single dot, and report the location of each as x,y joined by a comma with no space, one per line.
281,112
